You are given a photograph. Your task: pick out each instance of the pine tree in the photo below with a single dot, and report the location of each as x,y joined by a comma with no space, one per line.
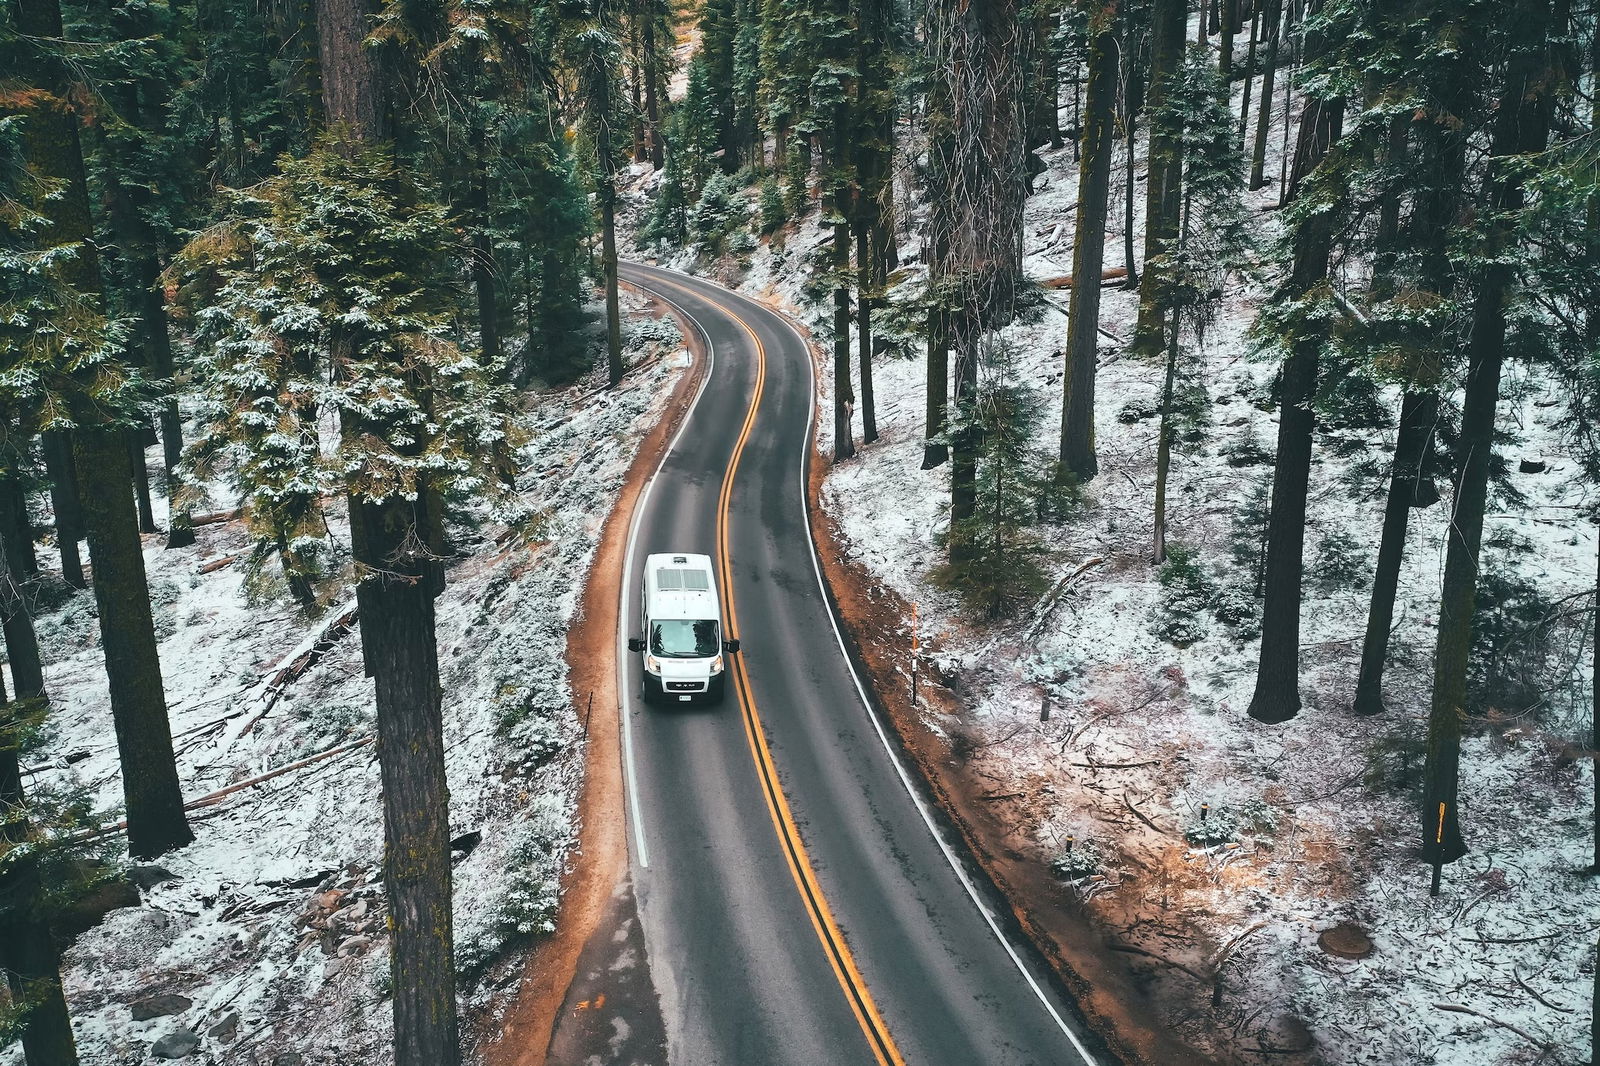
1522,119
977,185
66,362
1163,187
1185,279
596,56
28,952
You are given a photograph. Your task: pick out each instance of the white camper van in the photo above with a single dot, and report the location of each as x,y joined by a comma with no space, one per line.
682,643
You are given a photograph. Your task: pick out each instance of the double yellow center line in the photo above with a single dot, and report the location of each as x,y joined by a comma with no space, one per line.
838,952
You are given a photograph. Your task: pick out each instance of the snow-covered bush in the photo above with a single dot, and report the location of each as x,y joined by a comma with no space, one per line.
527,888
73,628
1079,860
718,213
1186,595
774,212
1235,607
1342,563
323,725
1137,411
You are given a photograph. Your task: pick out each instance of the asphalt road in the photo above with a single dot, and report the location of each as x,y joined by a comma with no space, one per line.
798,905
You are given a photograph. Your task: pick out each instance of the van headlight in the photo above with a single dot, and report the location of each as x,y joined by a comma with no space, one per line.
716,666
652,665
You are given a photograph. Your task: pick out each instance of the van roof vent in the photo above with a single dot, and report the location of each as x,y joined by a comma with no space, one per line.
680,559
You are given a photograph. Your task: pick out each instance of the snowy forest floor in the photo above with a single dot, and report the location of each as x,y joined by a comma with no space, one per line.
265,938
1309,825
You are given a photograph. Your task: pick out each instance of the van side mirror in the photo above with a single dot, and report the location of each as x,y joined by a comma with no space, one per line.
730,646
636,644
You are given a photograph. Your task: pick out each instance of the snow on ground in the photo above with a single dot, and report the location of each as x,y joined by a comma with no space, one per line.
271,924
1308,824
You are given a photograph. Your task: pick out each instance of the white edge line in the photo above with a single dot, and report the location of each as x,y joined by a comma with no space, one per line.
624,687
872,715
883,737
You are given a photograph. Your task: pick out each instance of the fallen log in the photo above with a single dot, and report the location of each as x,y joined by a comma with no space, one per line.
1065,280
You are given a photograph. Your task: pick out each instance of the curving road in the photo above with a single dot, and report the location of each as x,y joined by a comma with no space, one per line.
798,904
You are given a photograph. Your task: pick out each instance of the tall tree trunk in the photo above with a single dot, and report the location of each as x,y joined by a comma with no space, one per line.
652,95
16,526
866,290
1419,411
934,451
393,541
1249,67
156,819
1522,123
608,259
1277,693
964,441
22,644
158,347
483,264
135,438
1077,458
1158,540
875,114
395,600
844,400
1227,27
978,190
1271,18
1163,185
61,468
28,951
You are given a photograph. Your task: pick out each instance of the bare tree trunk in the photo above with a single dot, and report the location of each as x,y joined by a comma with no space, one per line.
1277,692
1227,26
482,252
1249,67
22,644
866,290
134,438
1271,20
1419,410
394,542
652,97
62,471
1077,458
1158,546
934,452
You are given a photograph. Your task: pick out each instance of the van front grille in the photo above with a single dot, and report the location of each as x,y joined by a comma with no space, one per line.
686,686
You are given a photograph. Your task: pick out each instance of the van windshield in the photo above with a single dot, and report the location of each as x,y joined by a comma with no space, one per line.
685,639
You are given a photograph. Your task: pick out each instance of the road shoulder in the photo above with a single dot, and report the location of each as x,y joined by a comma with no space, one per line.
597,899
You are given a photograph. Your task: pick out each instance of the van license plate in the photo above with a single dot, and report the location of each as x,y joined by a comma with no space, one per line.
683,699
